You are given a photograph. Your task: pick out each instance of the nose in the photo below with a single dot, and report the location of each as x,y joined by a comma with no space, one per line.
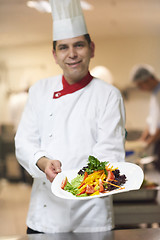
72,53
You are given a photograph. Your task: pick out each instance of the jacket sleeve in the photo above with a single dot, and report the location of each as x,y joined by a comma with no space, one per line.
27,139
111,129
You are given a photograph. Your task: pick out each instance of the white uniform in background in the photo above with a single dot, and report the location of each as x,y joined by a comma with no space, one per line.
16,106
90,121
153,120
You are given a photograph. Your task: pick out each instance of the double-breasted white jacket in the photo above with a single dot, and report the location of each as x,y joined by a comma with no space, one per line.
90,121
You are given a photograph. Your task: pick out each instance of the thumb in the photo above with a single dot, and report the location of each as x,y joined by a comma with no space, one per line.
57,166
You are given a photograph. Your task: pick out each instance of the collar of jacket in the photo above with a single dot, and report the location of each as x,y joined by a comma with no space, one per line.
67,88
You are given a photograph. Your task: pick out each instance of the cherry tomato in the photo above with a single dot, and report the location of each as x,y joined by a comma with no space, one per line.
64,182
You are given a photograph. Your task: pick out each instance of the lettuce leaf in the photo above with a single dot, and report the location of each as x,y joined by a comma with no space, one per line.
73,186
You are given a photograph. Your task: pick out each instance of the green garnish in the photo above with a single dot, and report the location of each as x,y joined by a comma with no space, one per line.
94,165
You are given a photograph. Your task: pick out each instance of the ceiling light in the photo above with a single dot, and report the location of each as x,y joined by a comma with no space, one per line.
44,6
86,6
41,6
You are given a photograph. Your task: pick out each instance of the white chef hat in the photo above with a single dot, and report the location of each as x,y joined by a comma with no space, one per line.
68,19
141,72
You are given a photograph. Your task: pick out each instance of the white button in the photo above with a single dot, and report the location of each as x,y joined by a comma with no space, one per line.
50,135
58,94
51,114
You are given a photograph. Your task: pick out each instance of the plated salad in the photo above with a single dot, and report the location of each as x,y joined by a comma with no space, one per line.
94,179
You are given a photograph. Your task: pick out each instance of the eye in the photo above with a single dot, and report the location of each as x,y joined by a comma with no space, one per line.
62,47
79,45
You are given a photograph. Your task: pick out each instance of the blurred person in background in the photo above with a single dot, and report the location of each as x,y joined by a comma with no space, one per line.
144,77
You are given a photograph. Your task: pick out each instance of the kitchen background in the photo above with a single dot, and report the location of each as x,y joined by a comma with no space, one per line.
125,32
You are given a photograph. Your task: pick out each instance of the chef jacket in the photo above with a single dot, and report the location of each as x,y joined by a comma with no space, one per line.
153,119
89,121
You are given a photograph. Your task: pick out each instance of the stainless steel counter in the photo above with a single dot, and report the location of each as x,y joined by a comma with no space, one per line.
132,234
132,213
136,207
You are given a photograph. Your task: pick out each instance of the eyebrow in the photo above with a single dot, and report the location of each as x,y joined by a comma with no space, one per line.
79,42
62,45
66,44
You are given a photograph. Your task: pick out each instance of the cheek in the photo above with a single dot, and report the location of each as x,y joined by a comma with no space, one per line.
87,55
59,59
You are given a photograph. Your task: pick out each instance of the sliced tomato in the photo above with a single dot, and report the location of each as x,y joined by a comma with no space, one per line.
64,182
89,189
110,176
101,188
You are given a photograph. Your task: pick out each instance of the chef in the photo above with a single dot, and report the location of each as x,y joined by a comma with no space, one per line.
66,119
144,77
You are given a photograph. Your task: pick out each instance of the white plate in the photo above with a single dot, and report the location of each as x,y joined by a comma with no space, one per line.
132,171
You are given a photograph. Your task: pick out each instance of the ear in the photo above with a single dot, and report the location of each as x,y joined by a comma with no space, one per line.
92,46
54,55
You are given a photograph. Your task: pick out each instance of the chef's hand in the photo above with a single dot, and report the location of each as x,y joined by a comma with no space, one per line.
50,167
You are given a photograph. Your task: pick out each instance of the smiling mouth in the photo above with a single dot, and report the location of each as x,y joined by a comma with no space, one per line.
74,63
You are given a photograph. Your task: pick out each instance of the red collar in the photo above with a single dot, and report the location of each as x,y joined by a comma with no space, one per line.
67,88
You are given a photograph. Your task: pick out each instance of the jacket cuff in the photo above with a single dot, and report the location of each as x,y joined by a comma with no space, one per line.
36,172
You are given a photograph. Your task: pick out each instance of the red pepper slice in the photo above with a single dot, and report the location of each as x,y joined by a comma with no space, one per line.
83,191
101,188
82,183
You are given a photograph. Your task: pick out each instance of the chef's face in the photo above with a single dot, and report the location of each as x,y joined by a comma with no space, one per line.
147,85
73,56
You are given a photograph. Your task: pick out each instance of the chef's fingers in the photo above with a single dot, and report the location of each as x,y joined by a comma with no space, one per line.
51,176
52,168
57,166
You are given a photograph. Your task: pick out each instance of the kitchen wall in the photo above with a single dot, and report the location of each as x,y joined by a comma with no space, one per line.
120,54
20,65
